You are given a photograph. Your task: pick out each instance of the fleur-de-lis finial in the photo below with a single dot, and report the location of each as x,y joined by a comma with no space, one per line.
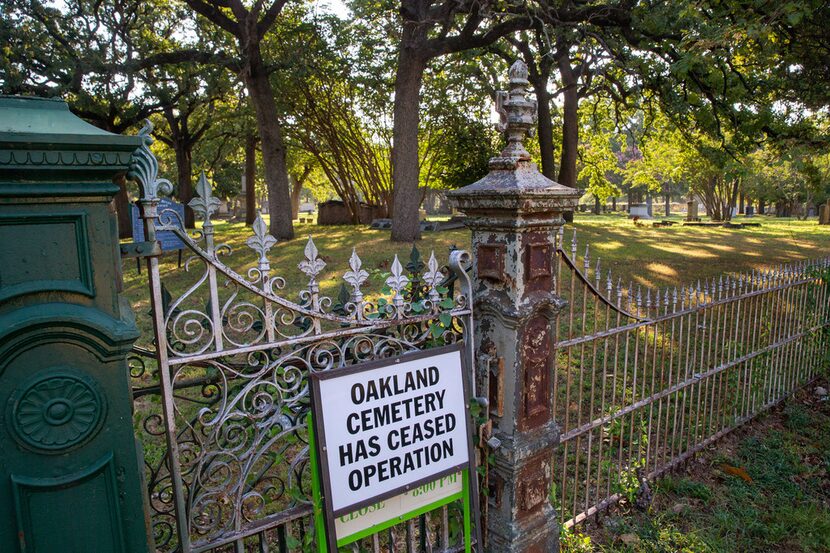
205,204
356,276
312,264
144,168
517,114
432,277
261,242
397,281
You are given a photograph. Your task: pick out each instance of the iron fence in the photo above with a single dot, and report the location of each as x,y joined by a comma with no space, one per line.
643,378
222,393
646,378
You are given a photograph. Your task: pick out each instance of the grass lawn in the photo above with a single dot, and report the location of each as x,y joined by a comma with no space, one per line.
647,256
764,488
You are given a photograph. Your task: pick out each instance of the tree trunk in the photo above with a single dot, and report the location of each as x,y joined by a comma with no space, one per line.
668,205
596,205
614,204
570,122
273,146
732,200
250,180
405,170
762,205
184,168
544,128
296,190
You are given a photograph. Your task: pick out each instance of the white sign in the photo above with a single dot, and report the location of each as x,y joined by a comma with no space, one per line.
397,507
390,426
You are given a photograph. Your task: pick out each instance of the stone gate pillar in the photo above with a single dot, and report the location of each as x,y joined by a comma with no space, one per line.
70,467
514,214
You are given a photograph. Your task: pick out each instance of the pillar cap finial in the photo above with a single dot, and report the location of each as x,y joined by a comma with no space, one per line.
514,191
518,118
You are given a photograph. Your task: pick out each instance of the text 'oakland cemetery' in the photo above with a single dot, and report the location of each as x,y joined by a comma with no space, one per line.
382,416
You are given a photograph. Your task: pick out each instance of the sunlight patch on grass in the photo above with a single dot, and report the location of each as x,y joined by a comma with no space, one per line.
720,247
609,245
684,249
662,270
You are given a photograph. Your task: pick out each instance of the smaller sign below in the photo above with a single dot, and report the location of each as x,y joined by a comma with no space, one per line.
378,516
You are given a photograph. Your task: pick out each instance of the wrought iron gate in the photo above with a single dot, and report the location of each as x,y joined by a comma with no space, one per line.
222,396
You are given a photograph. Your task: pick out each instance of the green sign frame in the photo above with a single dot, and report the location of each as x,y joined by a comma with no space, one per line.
320,517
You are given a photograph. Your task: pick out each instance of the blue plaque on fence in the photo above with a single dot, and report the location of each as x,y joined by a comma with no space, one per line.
166,238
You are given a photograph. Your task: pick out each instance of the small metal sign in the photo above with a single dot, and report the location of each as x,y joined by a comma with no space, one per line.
166,238
392,441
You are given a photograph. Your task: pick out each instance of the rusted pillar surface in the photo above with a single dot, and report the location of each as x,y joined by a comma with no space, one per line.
514,214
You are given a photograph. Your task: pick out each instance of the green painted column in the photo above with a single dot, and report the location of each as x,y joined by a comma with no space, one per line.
70,467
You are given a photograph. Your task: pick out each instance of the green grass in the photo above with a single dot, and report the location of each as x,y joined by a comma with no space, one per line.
785,506
645,255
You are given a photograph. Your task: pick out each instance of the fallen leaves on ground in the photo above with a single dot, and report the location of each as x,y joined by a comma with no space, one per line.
736,471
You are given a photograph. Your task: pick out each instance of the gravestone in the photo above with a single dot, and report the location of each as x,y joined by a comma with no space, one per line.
691,211
224,209
824,214
639,210
241,200
453,223
167,239
381,224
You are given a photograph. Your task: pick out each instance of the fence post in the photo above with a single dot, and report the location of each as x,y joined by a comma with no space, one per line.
70,468
514,214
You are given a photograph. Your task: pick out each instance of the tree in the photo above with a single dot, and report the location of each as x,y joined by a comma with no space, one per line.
431,29
599,159
347,147
457,138
248,28
355,164
792,178
666,162
74,50
188,95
